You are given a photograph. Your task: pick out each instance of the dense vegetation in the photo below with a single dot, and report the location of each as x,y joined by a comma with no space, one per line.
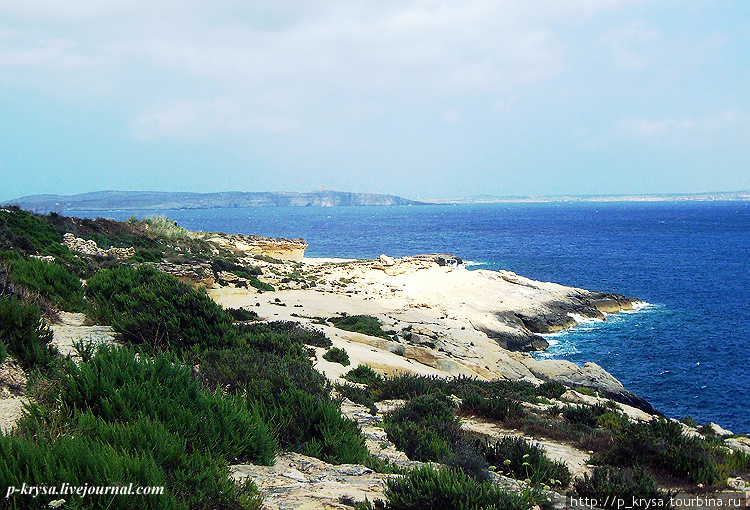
364,324
426,487
147,307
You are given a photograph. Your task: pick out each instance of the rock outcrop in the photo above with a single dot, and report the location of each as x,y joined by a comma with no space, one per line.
278,248
90,248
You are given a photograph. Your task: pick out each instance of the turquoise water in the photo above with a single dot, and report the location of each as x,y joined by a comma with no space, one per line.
687,351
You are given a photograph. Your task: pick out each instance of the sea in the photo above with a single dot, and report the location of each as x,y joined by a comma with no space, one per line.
686,349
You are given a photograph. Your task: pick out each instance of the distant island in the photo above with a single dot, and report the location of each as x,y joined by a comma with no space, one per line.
162,200
664,197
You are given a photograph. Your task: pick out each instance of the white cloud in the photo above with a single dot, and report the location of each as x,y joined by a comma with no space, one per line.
631,45
190,68
650,128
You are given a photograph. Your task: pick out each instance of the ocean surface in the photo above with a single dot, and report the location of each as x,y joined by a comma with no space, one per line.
687,351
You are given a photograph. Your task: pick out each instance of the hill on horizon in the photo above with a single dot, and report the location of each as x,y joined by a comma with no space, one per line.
164,200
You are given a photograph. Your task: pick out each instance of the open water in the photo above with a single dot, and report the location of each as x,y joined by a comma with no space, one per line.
687,351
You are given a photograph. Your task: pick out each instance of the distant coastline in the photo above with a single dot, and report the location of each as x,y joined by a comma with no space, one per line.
665,197
163,200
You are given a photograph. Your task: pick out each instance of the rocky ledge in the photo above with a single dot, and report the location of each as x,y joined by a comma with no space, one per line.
441,319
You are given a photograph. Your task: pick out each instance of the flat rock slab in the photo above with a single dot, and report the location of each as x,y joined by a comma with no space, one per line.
71,329
299,482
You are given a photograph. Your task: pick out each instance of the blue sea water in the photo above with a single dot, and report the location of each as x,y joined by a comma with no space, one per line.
687,351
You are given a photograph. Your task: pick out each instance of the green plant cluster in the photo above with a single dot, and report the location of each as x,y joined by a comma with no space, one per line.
126,418
24,335
425,428
242,315
150,308
427,487
273,371
364,324
607,485
660,444
50,280
337,355
26,232
520,459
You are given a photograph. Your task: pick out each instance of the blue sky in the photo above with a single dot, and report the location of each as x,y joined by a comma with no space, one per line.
419,98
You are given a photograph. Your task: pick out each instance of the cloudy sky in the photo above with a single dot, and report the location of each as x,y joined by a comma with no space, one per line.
419,98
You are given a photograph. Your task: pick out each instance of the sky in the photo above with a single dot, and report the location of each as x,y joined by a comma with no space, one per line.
417,98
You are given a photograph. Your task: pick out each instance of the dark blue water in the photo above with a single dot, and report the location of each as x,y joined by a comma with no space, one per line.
687,352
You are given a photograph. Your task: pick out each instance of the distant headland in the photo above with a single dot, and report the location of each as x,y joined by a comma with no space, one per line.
162,200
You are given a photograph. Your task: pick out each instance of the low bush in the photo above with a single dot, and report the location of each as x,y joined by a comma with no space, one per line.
584,414
120,387
27,232
123,418
261,286
364,324
551,389
52,281
242,315
142,256
161,226
154,309
425,428
313,425
260,373
274,374
426,487
635,487
219,264
336,355
299,332
493,408
363,374
25,336
660,444
520,459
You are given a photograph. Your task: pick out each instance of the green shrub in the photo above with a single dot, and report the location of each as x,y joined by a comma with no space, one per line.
584,414
28,233
426,487
126,418
119,387
336,355
242,315
364,324
24,335
52,281
493,408
219,264
161,226
363,374
273,372
261,373
633,486
300,332
611,421
142,256
660,444
520,459
261,286
551,389
313,425
689,421
150,308
425,428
